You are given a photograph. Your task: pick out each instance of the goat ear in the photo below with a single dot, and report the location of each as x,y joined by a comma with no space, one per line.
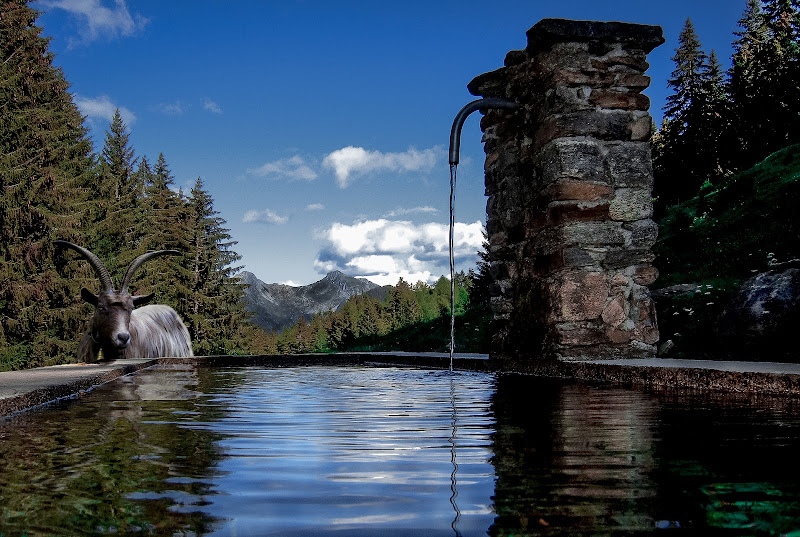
88,296
140,300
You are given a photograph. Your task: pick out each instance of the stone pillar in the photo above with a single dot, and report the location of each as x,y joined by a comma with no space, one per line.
569,179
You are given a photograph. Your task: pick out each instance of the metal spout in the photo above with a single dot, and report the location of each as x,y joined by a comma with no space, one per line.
458,123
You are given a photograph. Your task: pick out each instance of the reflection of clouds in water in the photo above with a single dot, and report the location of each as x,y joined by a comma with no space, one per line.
372,519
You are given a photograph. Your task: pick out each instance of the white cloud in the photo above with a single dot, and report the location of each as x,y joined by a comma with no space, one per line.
211,106
350,161
98,20
315,207
102,108
385,250
412,210
171,109
293,168
266,216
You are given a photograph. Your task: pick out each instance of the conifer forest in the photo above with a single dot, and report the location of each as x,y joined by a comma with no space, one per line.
719,122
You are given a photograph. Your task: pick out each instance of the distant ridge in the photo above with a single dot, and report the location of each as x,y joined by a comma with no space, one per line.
276,306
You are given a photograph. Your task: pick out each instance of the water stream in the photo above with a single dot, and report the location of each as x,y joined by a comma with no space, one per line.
453,169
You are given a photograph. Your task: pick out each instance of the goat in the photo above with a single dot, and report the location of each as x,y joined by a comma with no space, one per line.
116,329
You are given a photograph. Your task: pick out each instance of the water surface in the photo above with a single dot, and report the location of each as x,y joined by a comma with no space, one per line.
353,451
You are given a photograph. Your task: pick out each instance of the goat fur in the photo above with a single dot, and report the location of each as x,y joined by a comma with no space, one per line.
156,331
118,329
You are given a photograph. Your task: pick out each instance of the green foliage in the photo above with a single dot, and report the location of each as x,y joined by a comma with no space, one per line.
45,162
689,146
53,187
714,126
764,87
411,318
744,224
739,224
214,308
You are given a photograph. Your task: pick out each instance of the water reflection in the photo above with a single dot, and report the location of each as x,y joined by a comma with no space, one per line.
357,452
75,469
587,455
573,459
336,451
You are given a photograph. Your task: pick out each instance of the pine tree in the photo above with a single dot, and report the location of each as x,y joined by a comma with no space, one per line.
764,79
679,166
118,157
216,307
45,160
166,217
402,306
118,217
782,60
713,124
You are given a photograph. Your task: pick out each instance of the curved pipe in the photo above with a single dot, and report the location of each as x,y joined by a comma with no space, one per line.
138,262
458,123
98,266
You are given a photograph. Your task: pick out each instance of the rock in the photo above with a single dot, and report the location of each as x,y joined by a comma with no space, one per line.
681,289
762,317
666,348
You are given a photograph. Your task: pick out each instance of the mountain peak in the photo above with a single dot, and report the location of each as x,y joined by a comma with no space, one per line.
276,306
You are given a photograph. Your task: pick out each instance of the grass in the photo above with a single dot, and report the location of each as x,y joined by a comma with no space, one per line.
726,234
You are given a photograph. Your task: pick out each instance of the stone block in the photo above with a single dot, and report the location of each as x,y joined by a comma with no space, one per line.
564,159
578,334
641,127
634,81
619,100
515,57
578,295
615,312
631,204
617,335
634,60
501,305
577,190
563,56
621,258
560,212
646,333
588,79
600,124
645,274
630,164
591,234
582,257
491,84
562,99
547,32
643,234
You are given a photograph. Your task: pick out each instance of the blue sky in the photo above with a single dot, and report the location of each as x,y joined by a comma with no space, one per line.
320,128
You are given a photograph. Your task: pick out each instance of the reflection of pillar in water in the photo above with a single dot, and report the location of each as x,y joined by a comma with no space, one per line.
572,457
603,456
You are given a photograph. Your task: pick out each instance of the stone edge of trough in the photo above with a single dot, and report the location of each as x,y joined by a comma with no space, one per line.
60,383
660,378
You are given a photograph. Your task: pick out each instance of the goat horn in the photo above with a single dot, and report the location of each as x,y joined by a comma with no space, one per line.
138,262
98,266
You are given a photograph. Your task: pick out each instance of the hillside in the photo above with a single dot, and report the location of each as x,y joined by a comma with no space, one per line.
709,245
736,228
277,306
